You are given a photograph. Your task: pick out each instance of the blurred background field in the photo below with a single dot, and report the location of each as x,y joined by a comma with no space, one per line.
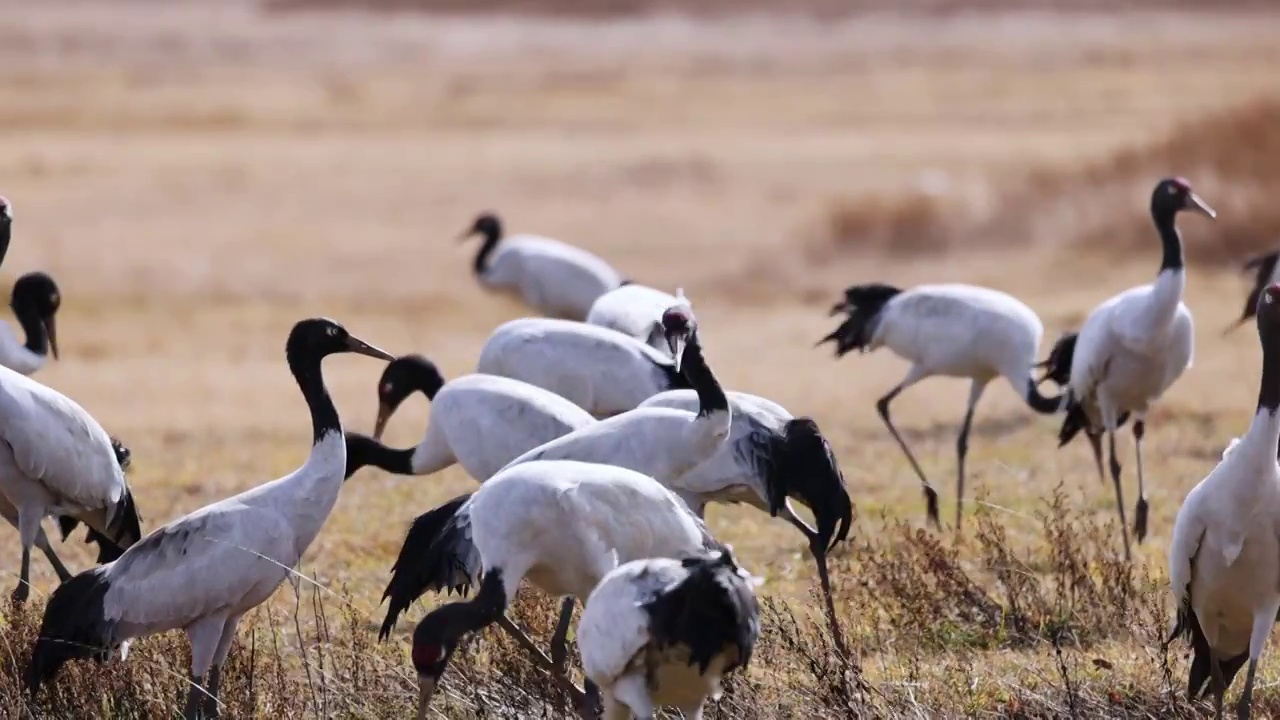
198,175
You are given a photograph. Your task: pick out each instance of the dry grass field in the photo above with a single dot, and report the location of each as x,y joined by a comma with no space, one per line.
197,176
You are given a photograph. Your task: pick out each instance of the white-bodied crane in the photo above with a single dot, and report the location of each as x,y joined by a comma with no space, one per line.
954,330
1130,351
553,277
201,573
1224,559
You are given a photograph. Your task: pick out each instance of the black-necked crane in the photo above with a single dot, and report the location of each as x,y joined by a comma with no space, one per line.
770,458
1130,351
479,421
953,330
600,370
563,525
636,310
35,301
1266,271
1224,558
553,277
201,573
660,632
57,461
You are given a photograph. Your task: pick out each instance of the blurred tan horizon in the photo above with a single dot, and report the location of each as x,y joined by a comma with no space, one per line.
199,175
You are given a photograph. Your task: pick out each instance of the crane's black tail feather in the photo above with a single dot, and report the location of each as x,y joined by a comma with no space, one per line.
712,609
126,526
863,304
437,554
74,626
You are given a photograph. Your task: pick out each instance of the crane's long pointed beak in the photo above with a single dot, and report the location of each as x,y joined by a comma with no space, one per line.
676,344
838,308
1194,203
384,414
356,345
52,328
426,688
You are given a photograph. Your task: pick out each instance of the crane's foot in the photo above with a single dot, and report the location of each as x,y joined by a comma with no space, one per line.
1140,520
931,500
20,593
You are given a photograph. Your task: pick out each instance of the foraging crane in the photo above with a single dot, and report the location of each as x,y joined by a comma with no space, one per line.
479,421
660,632
1266,272
561,524
663,443
554,278
1131,349
35,301
1224,559
107,549
600,370
636,310
771,457
56,460
204,571
953,330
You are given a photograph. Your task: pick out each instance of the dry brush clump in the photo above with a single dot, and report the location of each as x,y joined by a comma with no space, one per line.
1232,158
1060,627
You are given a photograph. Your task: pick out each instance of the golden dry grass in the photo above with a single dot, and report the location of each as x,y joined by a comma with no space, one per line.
197,177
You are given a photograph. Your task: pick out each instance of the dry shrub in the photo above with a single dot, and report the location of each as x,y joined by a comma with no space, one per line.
1232,158
910,223
1062,627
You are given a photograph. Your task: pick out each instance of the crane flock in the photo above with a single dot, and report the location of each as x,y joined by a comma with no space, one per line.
598,434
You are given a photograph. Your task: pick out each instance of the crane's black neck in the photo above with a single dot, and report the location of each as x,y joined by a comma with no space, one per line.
492,234
6,231
363,450
428,381
693,365
304,363
1269,387
439,632
1170,239
37,335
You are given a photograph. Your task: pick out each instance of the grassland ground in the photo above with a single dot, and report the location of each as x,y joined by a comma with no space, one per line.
197,176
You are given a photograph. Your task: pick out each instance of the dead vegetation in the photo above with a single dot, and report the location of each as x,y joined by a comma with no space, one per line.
918,611
1232,158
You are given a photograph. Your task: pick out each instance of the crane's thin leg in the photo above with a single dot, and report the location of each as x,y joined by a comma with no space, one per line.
1263,622
1115,479
204,635
1140,512
541,659
42,542
559,639
23,590
1217,685
914,375
1095,442
28,529
962,446
212,705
